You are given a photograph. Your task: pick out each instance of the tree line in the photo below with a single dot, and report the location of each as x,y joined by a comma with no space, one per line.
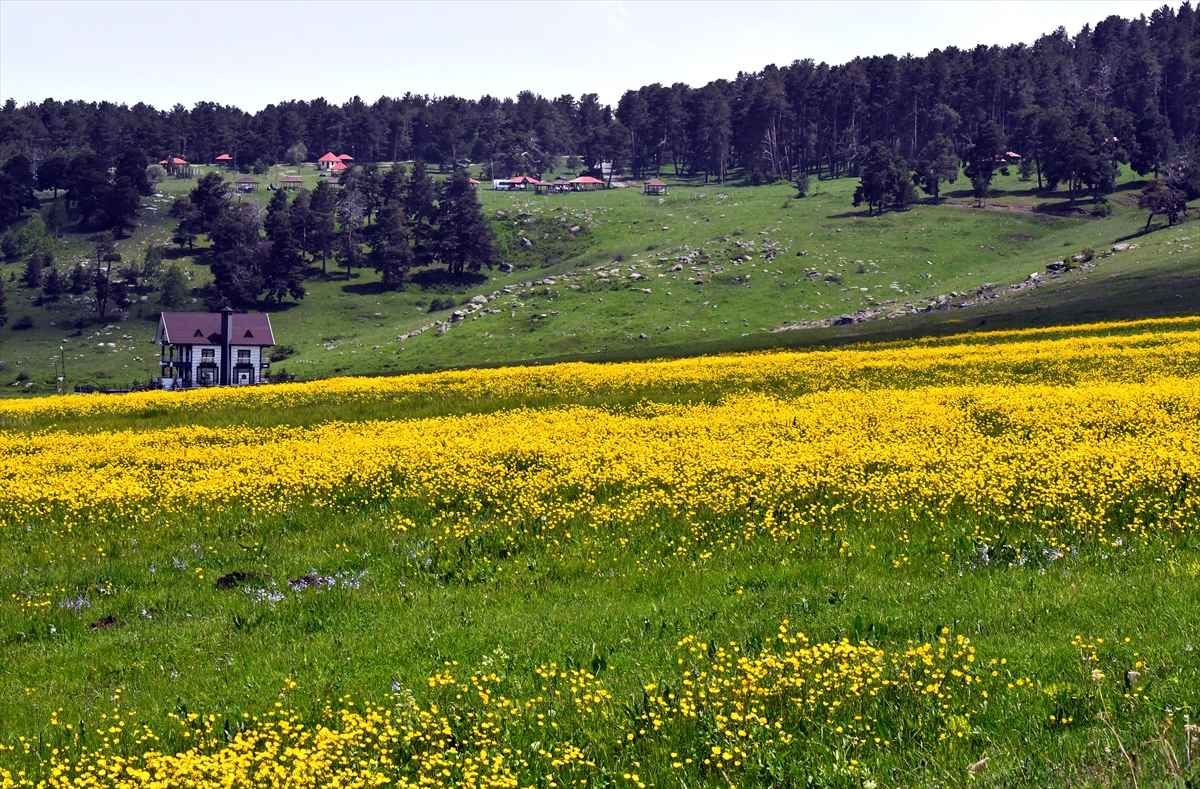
1140,77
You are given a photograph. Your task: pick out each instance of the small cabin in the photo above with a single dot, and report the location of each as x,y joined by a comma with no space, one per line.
327,161
213,348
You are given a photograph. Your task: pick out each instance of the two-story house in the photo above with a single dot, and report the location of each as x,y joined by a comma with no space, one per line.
213,348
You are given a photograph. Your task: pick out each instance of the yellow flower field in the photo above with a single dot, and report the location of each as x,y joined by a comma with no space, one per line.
848,477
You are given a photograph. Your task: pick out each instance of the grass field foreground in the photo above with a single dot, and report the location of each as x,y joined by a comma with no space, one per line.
960,561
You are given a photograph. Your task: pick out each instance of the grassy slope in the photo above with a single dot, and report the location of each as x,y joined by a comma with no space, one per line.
350,327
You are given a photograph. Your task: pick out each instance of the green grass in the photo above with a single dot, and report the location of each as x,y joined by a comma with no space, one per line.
350,326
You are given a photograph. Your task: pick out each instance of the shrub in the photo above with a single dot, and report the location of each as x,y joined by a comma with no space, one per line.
801,184
23,323
281,352
441,304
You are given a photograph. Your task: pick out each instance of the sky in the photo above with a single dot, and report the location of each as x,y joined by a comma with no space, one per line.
250,54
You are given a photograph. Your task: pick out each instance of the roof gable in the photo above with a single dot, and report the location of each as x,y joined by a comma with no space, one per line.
204,328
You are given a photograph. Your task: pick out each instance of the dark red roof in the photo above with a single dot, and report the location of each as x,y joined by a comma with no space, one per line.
204,328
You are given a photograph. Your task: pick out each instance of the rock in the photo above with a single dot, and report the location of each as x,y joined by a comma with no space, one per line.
457,315
506,268
636,275
676,267
666,228
801,253
1061,266
642,336
525,242
576,229
480,299
1120,247
843,320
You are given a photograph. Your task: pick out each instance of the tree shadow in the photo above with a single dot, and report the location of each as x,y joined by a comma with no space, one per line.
368,288
442,281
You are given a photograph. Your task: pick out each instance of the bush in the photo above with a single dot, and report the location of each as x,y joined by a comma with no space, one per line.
22,376
281,352
441,304
23,323
1102,209
1087,253
801,184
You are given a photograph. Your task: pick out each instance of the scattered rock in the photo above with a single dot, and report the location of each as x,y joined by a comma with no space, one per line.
525,242
506,268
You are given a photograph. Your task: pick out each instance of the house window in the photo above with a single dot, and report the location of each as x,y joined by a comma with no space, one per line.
207,354
244,357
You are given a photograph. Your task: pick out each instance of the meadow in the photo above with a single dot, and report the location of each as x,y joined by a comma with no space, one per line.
958,560
709,269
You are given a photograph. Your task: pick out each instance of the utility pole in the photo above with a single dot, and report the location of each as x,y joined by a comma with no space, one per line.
62,352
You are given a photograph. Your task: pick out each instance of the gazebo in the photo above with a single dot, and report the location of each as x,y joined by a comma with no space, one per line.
177,167
522,182
290,182
337,167
586,183
345,157
225,160
246,184
557,186
654,187
327,161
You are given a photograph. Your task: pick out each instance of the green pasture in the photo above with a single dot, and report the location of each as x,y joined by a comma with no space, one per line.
727,296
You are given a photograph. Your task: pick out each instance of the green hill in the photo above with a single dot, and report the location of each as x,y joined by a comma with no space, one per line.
617,274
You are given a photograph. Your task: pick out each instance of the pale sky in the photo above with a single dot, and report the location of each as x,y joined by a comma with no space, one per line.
251,54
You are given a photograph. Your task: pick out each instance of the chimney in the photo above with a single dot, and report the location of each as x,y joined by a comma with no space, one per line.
226,341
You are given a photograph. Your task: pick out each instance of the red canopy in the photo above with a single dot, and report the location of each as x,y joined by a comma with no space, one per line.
585,179
329,157
337,166
472,180
224,158
173,160
523,179
346,157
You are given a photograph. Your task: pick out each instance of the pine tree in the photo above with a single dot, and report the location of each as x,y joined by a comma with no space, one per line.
53,285
937,163
984,157
464,242
322,210
283,272
34,267
422,215
174,287
391,253
879,178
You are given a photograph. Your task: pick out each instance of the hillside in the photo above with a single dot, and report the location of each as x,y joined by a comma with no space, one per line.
616,274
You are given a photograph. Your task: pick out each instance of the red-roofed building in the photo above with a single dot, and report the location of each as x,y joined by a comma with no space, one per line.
337,167
345,157
326,161
225,160
586,183
213,348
